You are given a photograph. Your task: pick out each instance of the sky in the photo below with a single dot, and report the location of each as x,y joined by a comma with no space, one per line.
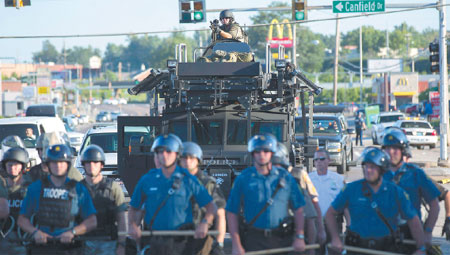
51,17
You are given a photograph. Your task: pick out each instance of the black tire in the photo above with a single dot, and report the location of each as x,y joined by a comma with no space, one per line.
351,157
343,166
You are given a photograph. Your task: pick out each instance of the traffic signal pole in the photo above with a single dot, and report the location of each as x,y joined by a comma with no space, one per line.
444,82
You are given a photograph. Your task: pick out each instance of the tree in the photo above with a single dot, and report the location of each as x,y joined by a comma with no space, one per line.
81,55
47,54
372,39
141,50
114,54
310,49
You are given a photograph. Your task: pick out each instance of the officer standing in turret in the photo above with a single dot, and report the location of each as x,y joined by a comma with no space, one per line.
191,159
264,193
229,28
165,194
109,201
14,162
54,203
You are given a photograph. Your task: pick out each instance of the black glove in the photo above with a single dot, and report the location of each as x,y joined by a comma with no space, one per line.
446,229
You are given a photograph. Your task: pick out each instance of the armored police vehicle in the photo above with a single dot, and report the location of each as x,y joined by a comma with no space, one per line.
219,102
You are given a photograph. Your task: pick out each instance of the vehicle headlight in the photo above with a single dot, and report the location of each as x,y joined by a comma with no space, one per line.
334,147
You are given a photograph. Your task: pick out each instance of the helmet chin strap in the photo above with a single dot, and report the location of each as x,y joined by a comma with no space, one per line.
377,181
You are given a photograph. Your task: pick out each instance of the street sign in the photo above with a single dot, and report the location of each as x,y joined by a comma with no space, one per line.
43,90
358,6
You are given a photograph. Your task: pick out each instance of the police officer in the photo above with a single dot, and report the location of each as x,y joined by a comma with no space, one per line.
4,208
229,28
40,171
374,205
55,202
412,179
264,193
14,162
314,228
191,159
109,202
165,194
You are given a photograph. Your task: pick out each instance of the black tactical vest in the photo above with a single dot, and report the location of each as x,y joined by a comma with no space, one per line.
55,204
15,199
104,203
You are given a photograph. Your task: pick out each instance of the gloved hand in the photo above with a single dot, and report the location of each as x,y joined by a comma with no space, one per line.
446,228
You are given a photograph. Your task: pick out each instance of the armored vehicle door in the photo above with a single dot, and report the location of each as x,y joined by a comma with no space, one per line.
135,137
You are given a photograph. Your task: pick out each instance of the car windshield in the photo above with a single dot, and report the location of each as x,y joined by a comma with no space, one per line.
414,124
390,118
203,132
237,131
107,141
320,126
27,132
147,132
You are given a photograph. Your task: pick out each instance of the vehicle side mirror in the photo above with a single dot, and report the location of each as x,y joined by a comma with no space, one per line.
351,131
373,122
74,151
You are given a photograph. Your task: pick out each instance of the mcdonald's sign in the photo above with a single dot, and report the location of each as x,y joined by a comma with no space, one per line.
402,81
287,42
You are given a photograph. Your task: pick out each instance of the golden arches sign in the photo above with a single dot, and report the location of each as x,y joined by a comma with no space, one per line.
280,29
402,82
275,42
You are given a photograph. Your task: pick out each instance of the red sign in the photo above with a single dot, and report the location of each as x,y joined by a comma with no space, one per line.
435,102
275,42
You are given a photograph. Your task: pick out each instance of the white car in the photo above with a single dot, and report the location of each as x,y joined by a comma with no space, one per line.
104,136
75,138
418,132
381,121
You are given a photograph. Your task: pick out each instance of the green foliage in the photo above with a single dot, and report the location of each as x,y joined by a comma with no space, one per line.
372,39
81,55
343,95
47,54
110,76
425,95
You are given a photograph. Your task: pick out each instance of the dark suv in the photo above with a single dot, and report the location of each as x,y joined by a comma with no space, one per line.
333,134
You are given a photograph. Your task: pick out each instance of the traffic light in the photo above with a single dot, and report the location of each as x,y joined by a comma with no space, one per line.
17,3
299,10
434,57
192,11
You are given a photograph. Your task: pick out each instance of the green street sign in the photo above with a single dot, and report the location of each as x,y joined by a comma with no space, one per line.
358,6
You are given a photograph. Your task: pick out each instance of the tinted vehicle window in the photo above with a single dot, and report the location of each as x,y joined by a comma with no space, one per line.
415,125
203,132
237,130
322,126
391,118
27,132
41,110
148,132
108,141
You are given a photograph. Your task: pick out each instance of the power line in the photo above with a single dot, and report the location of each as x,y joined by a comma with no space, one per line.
207,29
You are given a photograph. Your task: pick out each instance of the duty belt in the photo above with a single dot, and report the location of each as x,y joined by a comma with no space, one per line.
355,239
268,232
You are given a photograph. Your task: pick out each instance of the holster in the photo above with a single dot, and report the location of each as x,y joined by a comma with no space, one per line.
381,244
287,226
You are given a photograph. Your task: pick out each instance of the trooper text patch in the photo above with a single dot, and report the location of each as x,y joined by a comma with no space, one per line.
56,193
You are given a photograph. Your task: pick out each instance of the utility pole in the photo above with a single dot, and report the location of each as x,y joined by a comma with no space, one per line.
444,81
294,44
361,77
336,61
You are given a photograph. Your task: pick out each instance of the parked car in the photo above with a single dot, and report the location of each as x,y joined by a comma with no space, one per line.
419,132
75,138
103,117
381,121
42,110
123,101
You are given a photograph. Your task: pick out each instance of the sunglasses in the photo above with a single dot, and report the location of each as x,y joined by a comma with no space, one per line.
262,150
320,159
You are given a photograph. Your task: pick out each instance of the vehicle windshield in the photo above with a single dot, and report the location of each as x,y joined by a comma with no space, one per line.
390,118
27,132
320,126
203,132
237,131
107,141
147,132
412,124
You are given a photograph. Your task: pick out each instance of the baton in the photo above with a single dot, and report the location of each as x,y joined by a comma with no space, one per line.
281,250
412,242
170,233
366,251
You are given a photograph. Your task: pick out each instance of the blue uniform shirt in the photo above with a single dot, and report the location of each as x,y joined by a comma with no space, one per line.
81,204
251,190
416,183
391,200
153,187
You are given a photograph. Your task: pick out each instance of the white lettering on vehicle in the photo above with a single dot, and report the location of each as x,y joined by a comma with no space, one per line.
56,193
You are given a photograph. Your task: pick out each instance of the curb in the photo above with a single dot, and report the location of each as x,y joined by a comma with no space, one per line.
428,164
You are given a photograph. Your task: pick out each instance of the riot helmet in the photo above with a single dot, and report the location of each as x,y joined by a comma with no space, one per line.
169,142
59,153
192,149
93,153
53,138
281,156
394,137
16,154
262,142
377,157
226,14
